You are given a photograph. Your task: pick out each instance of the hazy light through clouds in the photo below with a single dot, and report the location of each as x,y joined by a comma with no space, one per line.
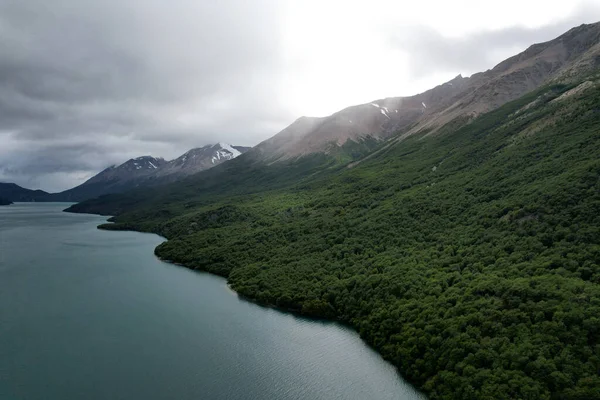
87,83
338,52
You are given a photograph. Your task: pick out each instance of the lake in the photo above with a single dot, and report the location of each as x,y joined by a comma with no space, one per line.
91,314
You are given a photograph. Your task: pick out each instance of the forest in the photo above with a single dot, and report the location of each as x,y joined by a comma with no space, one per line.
469,258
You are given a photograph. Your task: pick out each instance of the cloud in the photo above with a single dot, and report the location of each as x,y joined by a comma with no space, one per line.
80,77
431,52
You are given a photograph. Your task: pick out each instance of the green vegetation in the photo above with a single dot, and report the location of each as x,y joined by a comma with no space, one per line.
470,259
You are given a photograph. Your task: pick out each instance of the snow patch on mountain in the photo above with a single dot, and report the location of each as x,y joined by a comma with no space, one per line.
235,152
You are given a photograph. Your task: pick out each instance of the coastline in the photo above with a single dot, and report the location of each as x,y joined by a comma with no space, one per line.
295,312
106,226
111,225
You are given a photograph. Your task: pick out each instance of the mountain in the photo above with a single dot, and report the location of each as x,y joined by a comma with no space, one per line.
5,202
149,171
315,147
200,159
113,179
458,101
13,192
132,169
464,246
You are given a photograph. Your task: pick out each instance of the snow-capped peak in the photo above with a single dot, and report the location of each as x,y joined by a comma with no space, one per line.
230,149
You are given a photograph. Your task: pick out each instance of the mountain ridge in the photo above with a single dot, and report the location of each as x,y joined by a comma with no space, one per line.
133,173
358,132
15,193
150,171
462,98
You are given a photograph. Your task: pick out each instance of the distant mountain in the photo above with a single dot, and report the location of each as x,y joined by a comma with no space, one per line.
200,159
5,202
13,192
149,171
459,100
113,179
131,169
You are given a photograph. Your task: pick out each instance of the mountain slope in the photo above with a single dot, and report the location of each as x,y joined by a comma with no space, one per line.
458,101
113,179
349,135
470,259
356,131
5,202
14,192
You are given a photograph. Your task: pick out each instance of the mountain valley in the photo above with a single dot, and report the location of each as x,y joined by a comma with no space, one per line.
456,230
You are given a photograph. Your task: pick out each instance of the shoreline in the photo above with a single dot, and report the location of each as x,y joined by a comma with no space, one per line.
294,312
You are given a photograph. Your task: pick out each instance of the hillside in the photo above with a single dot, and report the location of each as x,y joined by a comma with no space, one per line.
13,192
113,179
321,145
469,259
317,147
458,100
5,202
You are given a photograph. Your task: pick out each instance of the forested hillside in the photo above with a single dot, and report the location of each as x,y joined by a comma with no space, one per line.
470,259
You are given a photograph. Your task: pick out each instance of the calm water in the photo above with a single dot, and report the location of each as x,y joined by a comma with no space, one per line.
90,314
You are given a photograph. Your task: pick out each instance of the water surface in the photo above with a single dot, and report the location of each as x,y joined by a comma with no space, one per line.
91,314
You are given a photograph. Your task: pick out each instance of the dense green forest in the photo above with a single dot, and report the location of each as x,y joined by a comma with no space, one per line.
470,258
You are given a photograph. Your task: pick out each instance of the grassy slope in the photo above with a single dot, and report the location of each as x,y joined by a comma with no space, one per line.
470,260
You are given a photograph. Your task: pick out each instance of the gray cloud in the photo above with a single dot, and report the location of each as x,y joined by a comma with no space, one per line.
79,78
431,52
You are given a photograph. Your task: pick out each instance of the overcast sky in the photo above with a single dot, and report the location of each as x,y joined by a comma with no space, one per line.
85,84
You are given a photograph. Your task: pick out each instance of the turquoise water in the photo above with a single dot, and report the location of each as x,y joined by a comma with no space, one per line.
90,314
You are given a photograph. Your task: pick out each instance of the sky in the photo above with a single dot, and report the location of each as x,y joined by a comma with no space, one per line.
85,84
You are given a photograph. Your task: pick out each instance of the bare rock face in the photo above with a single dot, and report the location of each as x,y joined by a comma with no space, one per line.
571,54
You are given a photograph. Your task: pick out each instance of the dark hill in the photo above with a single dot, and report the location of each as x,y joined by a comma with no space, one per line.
13,192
